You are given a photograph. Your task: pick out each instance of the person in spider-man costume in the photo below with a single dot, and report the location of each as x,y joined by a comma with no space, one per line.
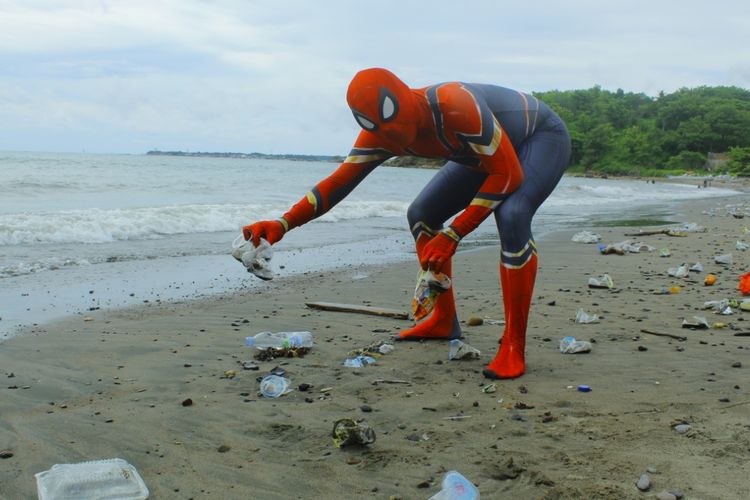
505,152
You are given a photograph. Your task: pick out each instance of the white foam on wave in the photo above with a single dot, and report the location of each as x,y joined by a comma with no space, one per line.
104,226
594,192
48,264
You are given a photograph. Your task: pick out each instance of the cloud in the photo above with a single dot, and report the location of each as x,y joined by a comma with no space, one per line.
266,76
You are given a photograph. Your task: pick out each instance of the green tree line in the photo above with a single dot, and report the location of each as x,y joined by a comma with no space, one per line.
625,133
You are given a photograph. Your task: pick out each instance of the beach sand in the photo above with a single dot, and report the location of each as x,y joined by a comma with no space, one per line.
112,384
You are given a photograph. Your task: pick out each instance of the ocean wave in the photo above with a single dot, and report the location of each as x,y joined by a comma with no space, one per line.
104,226
49,264
625,193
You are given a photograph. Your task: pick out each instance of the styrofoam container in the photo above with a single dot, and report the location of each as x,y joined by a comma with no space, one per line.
112,479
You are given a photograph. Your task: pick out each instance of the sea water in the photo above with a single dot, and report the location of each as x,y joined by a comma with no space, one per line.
80,232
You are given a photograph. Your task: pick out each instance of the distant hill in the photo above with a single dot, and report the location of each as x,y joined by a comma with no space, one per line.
256,156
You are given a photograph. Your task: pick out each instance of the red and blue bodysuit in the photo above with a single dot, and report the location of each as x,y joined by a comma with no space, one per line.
505,152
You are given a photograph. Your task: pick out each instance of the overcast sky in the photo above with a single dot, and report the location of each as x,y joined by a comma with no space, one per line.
271,76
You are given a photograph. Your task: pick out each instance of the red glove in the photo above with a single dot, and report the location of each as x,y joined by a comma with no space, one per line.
437,252
271,230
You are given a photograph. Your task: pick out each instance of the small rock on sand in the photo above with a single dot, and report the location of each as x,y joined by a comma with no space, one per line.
644,482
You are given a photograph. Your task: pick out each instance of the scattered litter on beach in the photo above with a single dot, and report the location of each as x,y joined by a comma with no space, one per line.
569,345
256,259
586,237
456,487
347,432
724,259
273,386
491,321
678,272
376,350
112,478
461,350
604,281
429,286
584,318
697,323
283,352
359,361
723,306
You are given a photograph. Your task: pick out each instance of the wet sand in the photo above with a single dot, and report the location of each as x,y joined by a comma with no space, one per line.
114,384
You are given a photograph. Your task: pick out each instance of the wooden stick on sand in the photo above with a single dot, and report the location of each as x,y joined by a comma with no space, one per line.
353,308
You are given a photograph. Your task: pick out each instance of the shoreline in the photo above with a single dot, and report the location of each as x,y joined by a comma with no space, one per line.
113,386
36,299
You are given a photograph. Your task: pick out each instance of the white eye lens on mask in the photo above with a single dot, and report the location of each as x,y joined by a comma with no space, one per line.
389,108
365,123
388,105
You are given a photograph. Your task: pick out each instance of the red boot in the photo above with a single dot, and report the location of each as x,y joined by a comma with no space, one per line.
518,287
442,322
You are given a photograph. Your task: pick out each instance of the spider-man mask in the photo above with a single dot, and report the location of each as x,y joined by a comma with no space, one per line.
384,105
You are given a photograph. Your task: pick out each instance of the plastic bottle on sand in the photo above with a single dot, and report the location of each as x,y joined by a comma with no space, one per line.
279,340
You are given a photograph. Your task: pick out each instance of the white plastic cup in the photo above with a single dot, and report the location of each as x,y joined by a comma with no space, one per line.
273,386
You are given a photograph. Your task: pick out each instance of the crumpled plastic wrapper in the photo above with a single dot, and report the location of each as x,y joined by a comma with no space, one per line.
348,431
429,287
460,350
257,260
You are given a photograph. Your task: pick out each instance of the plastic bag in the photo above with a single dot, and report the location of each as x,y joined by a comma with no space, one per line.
429,287
584,318
461,350
603,282
586,237
569,345
359,361
678,272
256,259
725,259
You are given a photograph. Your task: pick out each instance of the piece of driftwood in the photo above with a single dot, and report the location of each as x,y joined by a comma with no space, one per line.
678,337
354,308
742,334
389,381
668,232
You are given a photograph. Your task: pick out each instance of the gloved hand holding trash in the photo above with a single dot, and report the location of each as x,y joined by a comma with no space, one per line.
256,258
429,286
271,230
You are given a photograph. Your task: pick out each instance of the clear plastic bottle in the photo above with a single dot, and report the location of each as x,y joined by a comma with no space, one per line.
279,340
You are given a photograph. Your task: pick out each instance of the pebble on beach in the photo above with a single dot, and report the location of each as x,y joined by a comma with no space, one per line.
644,482
665,495
683,428
475,321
